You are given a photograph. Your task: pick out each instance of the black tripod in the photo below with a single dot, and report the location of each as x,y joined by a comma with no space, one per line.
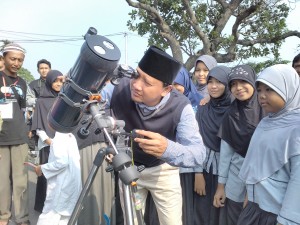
121,163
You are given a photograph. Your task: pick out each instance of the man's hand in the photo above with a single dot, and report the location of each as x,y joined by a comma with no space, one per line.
199,186
152,143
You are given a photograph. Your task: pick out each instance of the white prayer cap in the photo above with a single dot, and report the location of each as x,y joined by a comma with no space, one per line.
13,47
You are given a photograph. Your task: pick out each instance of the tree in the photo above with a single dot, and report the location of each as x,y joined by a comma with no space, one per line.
227,30
26,75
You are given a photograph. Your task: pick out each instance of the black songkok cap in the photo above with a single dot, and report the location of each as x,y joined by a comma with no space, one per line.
160,65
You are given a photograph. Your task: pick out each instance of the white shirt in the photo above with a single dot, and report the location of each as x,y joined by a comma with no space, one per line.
63,175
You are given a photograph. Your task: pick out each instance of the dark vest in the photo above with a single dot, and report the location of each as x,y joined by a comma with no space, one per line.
164,122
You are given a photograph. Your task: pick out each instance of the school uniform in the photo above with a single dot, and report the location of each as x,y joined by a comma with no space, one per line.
271,169
210,117
236,131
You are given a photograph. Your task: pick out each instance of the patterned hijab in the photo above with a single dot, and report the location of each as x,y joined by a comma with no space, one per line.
243,116
210,116
277,137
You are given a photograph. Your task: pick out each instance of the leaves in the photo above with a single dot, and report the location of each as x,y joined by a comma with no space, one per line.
26,75
228,30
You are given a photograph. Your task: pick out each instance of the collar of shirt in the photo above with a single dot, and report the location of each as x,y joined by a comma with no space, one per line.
147,109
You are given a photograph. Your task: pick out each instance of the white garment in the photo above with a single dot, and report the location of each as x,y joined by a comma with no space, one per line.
52,218
63,175
42,137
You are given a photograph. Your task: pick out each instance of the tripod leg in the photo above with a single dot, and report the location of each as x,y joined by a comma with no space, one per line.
127,204
78,207
137,204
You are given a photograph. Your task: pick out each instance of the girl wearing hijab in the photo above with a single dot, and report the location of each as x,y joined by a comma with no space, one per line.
236,131
209,118
43,131
203,65
273,178
184,84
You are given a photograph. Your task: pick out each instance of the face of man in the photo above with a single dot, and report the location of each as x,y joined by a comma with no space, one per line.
43,70
297,67
148,90
13,61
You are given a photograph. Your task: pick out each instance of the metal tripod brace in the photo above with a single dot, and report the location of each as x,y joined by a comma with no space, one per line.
121,163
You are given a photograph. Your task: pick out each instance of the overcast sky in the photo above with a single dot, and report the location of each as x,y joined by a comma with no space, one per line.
72,18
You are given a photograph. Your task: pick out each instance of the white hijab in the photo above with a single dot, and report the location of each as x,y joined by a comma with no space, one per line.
277,136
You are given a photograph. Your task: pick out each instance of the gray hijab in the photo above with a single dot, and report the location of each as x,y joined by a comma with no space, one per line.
277,137
210,62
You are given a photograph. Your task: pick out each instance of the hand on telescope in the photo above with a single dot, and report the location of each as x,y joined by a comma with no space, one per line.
152,143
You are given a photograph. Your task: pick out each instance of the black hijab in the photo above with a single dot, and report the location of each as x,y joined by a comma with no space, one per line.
210,116
243,116
44,104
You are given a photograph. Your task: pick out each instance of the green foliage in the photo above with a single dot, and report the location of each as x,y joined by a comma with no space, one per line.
26,75
258,34
173,13
259,66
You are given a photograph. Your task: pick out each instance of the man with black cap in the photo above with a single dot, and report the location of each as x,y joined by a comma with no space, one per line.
166,121
13,140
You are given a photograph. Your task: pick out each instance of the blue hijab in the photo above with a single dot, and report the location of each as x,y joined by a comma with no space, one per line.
183,78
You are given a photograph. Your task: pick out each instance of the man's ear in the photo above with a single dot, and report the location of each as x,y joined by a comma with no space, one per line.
166,90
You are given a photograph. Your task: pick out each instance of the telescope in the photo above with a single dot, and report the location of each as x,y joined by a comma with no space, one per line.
94,66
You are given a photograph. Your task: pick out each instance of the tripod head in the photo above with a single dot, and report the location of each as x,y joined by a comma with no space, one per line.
122,162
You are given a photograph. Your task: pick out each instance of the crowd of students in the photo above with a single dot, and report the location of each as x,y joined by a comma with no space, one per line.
225,154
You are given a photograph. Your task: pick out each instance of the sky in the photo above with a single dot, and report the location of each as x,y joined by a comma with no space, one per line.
56,19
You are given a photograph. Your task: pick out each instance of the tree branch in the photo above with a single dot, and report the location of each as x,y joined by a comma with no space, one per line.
194,23
221,23
243,15
165,29
269,40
